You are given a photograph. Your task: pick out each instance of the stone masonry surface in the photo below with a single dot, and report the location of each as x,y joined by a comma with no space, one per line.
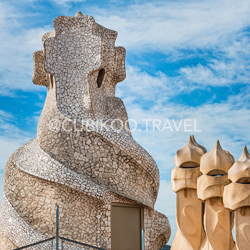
83,169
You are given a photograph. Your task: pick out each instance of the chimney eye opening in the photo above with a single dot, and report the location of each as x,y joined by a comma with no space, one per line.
100,77
217,173
244,180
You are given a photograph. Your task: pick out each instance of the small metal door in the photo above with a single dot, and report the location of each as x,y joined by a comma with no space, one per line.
126,227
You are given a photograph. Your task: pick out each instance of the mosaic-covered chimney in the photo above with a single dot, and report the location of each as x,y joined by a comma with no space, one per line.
82,160
210,186
237,198
189,210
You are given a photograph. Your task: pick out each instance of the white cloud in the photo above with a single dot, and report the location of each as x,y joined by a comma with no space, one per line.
170,27
167,25
141,86
66,2
17,47
214,31
202,75
228,66
16,59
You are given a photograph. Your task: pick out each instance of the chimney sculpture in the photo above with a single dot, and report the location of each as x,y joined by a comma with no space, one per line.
82,159
237,199
190,232
217,219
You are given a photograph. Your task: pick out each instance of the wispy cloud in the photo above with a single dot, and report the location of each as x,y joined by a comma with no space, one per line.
139,85
230,65
67,2
213,32
17,47
169,25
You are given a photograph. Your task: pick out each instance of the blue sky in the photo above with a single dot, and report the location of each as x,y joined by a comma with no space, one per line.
185,60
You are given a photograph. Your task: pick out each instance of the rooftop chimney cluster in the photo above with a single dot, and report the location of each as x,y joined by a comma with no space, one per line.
213,195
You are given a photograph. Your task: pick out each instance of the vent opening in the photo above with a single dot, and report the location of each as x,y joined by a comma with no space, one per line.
244,180
51,81
189,164
100,77
217,173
